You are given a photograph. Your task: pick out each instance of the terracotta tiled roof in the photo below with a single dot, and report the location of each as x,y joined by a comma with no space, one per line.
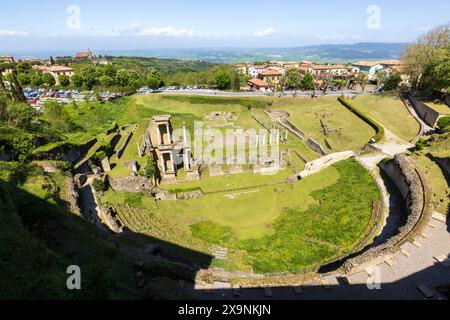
327,67
392,62
270,73
258,82
363,63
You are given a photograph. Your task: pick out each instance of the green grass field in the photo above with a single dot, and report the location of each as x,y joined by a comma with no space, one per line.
273,228
348,132
390,112
440,107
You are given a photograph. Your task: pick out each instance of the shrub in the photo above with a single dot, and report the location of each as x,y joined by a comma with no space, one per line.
443,125
148,170
378,128
422,143
99,185
64,166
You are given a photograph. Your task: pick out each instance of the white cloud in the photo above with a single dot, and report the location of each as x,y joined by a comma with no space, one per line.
264,32
12,33
138,29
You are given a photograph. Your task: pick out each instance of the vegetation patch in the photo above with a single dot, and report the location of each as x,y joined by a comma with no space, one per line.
212,233
378,128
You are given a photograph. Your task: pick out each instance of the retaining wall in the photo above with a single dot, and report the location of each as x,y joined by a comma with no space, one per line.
427,114
416,193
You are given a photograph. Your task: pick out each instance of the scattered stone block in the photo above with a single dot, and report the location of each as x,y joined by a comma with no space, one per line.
426,236
417,244
440,258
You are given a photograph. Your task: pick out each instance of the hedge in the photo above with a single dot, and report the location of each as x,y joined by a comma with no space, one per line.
378,128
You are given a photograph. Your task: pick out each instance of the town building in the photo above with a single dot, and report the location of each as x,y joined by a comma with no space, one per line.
368,67
256,84
284,64
56,71
101,62
241,68
272,77
337,71
253,71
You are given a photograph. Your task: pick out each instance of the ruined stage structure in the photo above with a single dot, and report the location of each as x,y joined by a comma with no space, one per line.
170,155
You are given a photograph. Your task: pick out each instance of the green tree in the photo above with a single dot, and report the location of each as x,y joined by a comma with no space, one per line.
123,77
307,82
48,79
110,71
106,81
154,80
236,82
24,79
77,80
392,82
89,75
23,146
223,80
36,80
427,61
20,115
64,80
292,79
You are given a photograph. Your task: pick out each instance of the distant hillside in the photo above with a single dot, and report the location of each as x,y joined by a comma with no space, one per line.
337,53
344,52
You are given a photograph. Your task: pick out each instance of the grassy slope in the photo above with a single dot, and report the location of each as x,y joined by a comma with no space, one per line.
440,107
390,112
306,114
439,148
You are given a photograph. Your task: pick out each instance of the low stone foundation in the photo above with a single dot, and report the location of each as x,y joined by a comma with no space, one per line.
131,184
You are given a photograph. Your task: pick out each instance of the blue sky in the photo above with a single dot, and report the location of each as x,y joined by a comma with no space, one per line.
138,24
